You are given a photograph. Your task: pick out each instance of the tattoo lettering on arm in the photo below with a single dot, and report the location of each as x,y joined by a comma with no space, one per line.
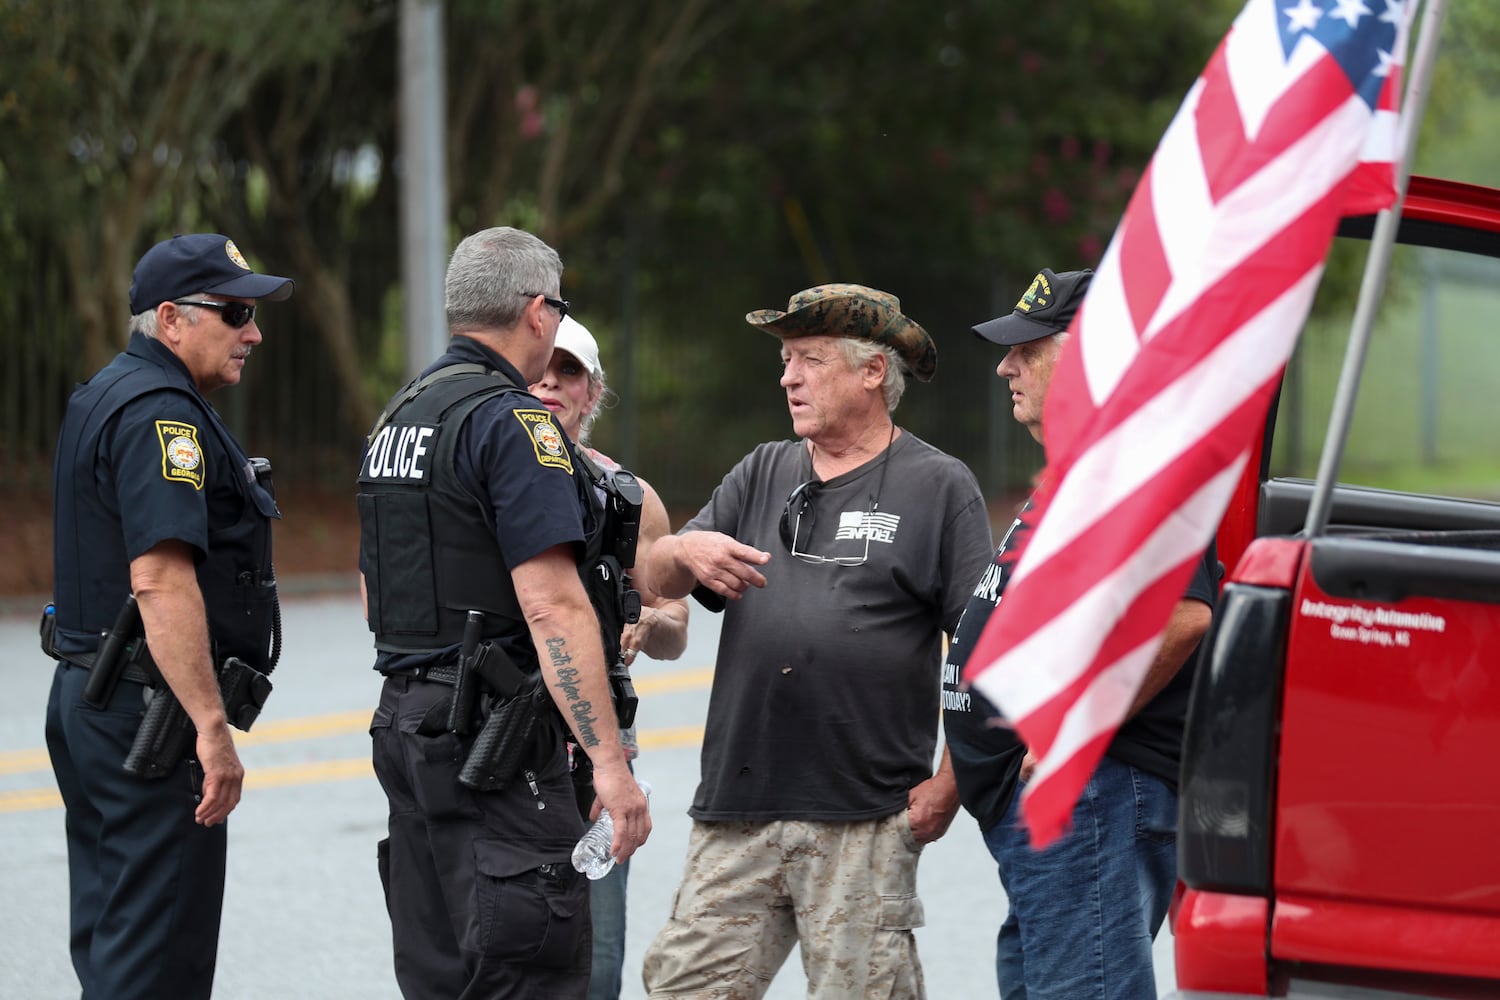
580,708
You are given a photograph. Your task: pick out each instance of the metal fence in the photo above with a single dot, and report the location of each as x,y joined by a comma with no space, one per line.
691,403
688,406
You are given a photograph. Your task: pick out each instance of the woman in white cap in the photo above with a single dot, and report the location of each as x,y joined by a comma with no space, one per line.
573,388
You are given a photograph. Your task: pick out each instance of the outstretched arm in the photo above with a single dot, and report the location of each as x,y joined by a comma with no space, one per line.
662,631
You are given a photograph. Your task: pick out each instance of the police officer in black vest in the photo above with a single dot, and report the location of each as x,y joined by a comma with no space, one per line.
476,517
155,498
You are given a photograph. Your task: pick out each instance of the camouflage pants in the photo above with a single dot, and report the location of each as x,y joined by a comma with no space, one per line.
750,891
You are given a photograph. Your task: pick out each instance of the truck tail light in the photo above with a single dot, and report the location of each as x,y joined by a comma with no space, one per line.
1228,782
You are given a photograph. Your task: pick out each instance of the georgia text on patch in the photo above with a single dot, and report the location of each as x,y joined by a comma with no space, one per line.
181,455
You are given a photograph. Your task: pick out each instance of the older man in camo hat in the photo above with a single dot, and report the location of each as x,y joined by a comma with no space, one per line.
839,560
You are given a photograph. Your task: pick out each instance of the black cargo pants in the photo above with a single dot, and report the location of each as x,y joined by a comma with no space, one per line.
483,899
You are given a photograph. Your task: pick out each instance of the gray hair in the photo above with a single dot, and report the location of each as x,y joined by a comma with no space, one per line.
144,323
857,352
603,400
490,275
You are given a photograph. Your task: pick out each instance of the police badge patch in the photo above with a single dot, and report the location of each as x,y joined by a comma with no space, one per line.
181,455
551,451
234,254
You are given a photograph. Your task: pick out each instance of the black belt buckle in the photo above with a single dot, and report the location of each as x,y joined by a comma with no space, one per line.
550,872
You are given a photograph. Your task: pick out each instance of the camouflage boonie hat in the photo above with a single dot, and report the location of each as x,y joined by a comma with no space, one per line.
844,310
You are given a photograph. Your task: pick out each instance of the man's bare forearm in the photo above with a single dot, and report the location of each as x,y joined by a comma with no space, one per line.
667,575
176,626
1189,622
565,631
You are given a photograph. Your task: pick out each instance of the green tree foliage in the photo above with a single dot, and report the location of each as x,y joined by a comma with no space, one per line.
691,159
110,112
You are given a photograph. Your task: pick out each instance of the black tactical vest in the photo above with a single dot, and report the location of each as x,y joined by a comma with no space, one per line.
89,559
427,545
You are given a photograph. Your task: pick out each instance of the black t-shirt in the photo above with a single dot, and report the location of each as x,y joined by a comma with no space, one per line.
987,754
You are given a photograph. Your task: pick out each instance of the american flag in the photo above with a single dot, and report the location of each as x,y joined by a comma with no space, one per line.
1173,361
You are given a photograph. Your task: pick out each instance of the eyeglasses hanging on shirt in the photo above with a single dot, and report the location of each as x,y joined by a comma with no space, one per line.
801,505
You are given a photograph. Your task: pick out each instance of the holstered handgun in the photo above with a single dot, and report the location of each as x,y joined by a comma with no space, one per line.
161,742
507,735
503,743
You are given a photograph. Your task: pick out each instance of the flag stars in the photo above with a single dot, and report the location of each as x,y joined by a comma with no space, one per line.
1387,63
1351,11
1303,17
1395,12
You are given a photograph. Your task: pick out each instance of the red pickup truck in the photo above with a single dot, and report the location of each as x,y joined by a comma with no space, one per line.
1339,825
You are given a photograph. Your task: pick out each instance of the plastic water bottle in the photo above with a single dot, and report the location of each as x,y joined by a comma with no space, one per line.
592,856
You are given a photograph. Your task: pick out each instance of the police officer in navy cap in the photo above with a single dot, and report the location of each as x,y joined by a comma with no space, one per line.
472,499
154,498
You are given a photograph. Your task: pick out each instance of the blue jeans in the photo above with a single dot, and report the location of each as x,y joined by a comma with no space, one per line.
607,901
1084,911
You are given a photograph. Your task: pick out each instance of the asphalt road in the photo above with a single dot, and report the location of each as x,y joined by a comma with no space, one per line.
303,915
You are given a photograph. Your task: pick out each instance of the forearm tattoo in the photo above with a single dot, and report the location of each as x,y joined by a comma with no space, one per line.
579,707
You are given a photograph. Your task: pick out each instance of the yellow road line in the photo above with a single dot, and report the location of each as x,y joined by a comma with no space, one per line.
667,739
308,727
678,680
307,774
21,761
332,724
30,799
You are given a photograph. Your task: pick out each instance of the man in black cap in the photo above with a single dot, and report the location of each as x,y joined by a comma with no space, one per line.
845,556
1083,912
155,502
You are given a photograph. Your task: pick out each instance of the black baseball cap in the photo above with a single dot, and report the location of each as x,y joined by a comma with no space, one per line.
1048,306
202,263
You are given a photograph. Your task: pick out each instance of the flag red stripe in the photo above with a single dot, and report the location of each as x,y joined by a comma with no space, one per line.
1104,546
1179,347
1140,243
1138,624
1230,156
1049,800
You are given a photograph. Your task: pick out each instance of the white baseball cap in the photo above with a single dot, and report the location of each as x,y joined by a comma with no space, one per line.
574,337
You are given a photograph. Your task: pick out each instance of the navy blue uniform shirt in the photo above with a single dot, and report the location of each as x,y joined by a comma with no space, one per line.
161,471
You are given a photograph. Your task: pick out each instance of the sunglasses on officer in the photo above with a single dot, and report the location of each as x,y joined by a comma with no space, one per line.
561,305
234,314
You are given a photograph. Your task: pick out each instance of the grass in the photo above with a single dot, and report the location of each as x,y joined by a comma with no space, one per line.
1427,416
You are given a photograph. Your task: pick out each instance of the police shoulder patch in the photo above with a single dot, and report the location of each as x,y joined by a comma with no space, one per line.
551,449
181,455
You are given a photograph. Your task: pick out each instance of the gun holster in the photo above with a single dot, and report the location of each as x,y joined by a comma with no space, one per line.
245,691
622,693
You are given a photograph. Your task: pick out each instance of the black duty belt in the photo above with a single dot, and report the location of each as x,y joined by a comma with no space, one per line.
436,674
86,661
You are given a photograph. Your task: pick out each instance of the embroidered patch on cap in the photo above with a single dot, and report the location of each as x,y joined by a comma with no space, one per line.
1037,296
234,254
181,455
551,451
